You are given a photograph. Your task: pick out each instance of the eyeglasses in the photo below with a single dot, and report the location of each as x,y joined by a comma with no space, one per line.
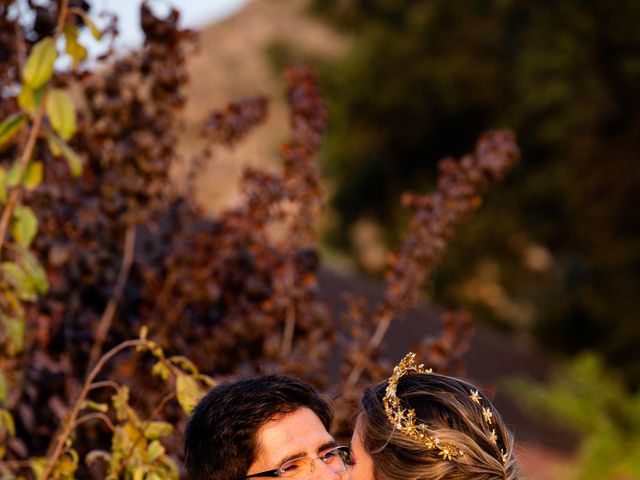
337,459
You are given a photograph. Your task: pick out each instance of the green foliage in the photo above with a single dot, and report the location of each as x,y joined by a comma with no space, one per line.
591,400
61,113
39,66
11,126
424,77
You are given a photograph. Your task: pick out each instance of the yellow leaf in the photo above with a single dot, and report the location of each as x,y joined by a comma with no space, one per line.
3,185
154,450
11,126
100,407
62,113
39,66
76,50
66,466
95,31
13,176
156,430
15,331
160,370
33,175
183,362
25,225
6,421
3,388
33,269
59,146
38,465
188,392
29,100
144,331
19,280
139,473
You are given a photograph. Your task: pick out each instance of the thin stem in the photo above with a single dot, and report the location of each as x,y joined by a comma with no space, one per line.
103,384
93,416
374,342
109,312
289,328
83,395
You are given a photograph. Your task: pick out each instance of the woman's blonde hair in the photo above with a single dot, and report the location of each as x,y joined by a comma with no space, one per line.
447,407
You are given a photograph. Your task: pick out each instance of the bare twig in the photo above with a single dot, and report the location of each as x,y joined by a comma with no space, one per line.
103,384
62,438
289,328
93,416
374,343
109,312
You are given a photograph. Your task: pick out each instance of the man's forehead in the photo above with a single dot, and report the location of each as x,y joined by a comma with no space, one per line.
298,433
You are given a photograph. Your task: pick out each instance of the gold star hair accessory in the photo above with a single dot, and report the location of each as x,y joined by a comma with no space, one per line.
487,415
404,420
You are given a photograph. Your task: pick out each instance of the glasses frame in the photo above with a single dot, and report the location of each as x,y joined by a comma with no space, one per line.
278,472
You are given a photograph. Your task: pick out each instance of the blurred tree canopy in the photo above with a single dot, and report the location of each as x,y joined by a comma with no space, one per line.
556,251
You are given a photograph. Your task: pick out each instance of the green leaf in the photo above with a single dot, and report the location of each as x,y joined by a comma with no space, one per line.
160,370
3,185
39,66
3,388
188,392
95,31
76,50
157,430
100,407
58,146
154,450
34,270
183,362
11,126
27,100
19,280
25,225
62,113
15,331
139,472
13,177
6,421
39,465
33,175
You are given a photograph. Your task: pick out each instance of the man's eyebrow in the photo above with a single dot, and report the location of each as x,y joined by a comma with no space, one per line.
325,446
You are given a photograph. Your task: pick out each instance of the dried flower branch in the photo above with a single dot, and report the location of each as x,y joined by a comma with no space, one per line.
432,227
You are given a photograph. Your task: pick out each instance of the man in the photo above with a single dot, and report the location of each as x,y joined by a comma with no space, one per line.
269,426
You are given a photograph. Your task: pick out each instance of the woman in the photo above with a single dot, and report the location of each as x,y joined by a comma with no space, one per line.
420,425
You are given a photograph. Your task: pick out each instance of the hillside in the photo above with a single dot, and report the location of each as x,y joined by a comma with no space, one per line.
230,62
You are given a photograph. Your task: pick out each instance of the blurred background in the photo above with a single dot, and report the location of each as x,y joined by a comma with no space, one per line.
552,259
549,265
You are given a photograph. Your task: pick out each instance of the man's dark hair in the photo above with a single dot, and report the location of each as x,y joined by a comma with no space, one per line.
221,436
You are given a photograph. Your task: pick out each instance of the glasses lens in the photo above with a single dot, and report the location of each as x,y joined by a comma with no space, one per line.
337,458
294,468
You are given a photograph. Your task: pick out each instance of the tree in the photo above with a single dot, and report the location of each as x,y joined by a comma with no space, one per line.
559,250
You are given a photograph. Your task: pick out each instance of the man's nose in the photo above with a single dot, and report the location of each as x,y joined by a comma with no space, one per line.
321,470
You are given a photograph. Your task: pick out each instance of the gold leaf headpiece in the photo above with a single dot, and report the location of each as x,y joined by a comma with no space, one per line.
404,420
